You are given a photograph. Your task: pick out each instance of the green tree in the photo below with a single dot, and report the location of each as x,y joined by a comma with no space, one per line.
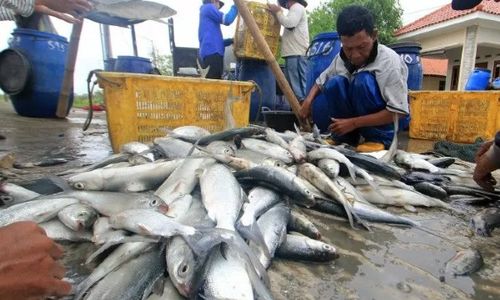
163,62
387,16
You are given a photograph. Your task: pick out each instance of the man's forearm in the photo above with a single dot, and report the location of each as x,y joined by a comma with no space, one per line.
382,117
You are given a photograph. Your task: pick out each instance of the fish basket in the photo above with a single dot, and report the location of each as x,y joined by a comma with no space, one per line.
459,117
140,107
244,44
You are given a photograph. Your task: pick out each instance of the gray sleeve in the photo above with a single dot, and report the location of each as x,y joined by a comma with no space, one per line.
393,85
10,8
292,19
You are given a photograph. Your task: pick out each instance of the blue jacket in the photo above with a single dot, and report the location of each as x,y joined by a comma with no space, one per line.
209,30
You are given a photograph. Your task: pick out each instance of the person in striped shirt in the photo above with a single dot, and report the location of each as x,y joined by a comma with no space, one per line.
67,10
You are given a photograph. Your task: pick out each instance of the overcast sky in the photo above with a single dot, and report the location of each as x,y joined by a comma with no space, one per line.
155,34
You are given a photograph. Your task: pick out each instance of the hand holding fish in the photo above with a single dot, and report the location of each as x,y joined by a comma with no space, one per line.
485,164
67,10
342,126
28,266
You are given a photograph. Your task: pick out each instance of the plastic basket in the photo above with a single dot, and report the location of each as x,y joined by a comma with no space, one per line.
454,116
140,106
244,44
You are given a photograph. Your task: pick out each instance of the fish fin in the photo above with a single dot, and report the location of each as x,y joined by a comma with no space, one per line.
59,182
99,251
254,234
155,286
259,287
204,240
389,155
410,208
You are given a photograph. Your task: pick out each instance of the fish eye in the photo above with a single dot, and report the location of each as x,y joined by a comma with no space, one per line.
184,268
79,185
6,198
154,202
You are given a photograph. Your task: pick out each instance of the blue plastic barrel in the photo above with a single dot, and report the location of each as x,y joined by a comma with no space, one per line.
261,73
46,53
478,80
133,64
410,53
324,47
109,64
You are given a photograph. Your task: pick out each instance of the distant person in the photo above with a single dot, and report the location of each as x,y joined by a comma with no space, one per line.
294,43
28,264
67,10
364,86
210,36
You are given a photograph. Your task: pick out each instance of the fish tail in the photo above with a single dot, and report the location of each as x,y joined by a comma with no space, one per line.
204,240
252,232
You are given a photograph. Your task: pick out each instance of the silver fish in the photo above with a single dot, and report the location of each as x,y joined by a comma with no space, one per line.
281,179
11,194
131,278
304,248
268,149
260,200
320,180
78,216
36,211
273,226
227,278
169,292
56,230
176,189
126,179
330,166
300,223
118,257
135,10
330,153
174,148
222,196
221,147
273,137
297,148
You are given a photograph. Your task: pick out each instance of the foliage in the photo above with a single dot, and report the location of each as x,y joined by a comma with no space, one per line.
82,100
163,62
387,16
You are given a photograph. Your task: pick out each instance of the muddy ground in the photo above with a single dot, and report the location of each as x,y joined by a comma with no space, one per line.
387,263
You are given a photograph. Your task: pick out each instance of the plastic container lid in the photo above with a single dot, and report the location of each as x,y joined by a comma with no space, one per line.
14,71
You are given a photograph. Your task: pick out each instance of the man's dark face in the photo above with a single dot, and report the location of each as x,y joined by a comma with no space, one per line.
358,47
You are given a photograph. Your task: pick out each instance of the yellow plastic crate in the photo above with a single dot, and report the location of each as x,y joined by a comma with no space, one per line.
244,44
454,116
139,106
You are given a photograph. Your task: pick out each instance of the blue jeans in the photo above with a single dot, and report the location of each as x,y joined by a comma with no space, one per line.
296,74
348,100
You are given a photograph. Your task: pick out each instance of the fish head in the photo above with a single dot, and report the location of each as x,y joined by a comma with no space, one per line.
156,203
183,266
480,226
5,199
87,181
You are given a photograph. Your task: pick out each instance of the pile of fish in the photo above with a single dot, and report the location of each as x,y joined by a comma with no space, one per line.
197,214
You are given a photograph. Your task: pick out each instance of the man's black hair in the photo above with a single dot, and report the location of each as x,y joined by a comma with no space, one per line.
353,19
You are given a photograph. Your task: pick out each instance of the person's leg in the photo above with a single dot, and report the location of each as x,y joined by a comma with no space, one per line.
295,74
367,99
334,102
216,64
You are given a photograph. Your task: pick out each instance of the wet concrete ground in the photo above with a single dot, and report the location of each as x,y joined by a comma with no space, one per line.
387,263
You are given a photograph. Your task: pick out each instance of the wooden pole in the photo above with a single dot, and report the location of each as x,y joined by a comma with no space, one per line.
271,60
67,85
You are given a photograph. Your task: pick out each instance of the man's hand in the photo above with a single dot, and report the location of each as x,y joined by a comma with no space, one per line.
273,8
28,267
305,110
342,126
67,10
484,167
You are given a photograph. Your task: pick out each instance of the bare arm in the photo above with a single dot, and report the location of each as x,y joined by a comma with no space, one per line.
305,110
344,126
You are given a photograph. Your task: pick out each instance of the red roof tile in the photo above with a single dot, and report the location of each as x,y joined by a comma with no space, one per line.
446,13
433,66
